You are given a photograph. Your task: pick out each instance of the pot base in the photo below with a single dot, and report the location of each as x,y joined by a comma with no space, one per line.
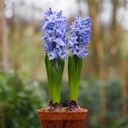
62,119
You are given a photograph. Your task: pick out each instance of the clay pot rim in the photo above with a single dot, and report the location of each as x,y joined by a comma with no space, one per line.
62,115
83,110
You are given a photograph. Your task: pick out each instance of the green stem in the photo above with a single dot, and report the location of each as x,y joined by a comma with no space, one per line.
74,72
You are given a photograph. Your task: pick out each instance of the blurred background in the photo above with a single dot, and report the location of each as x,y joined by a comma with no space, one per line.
104,79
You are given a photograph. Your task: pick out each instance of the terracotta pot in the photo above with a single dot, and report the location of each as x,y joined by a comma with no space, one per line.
62,119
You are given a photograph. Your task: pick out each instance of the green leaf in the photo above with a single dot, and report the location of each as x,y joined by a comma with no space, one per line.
61,63
75,61
60,74
61,69
71,76
78,71
55,84
48,65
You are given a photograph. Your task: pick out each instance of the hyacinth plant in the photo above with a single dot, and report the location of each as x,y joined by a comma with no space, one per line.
57,47
54,35
77,43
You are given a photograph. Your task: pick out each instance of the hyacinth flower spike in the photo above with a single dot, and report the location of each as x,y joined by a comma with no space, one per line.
77,43
54,36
